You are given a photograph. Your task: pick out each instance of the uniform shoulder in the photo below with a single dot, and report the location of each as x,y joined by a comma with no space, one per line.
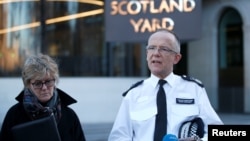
192,79
132,86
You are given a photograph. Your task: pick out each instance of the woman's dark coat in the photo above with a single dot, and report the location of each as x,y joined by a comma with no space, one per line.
69,126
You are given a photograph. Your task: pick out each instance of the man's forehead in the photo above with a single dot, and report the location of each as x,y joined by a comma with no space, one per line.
161,37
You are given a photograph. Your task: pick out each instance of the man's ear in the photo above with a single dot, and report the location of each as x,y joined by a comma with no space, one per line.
177,58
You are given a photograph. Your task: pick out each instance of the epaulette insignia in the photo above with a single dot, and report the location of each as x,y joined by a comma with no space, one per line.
188,78
133,86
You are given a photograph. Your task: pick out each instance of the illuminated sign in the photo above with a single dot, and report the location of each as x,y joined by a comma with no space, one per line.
135,20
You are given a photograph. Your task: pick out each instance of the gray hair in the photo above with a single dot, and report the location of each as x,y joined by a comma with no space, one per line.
36,67
177,42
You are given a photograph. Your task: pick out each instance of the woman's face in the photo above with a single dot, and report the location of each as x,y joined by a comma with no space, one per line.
43,88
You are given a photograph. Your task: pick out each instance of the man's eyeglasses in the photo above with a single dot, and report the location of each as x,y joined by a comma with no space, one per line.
47,83
160,49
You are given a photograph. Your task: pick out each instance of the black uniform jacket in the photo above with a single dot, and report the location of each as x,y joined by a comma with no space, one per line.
69,126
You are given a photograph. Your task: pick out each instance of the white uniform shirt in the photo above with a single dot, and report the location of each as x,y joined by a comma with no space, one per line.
135,120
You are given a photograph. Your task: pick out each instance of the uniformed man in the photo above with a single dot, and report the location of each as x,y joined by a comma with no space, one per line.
188,109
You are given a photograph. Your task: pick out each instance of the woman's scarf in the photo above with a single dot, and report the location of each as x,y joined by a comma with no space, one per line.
36,110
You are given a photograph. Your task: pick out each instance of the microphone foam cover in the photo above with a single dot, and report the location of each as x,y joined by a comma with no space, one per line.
170,137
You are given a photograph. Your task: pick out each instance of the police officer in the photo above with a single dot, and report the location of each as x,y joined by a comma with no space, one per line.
186,98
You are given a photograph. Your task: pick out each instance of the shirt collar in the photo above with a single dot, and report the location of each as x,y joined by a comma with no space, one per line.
170,79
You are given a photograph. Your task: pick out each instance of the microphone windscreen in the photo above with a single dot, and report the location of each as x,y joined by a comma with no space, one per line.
170,137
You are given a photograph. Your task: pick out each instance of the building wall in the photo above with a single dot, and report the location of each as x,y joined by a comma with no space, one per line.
203,59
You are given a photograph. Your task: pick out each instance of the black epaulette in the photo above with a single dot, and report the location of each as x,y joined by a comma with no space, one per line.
188,78
133,86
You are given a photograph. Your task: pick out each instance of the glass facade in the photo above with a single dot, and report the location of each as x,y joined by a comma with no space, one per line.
72,31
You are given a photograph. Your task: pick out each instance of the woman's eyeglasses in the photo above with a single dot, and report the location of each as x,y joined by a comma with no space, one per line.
47,83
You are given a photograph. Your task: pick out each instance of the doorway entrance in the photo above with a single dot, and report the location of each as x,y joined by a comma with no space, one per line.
230,54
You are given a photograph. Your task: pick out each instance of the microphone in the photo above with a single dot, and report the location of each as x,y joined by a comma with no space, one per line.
170,137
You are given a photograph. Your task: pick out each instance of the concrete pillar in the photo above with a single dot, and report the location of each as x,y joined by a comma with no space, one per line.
246,44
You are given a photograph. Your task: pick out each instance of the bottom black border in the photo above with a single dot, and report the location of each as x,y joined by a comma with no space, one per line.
228,132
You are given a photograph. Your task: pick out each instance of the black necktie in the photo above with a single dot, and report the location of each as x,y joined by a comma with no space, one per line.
161,117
